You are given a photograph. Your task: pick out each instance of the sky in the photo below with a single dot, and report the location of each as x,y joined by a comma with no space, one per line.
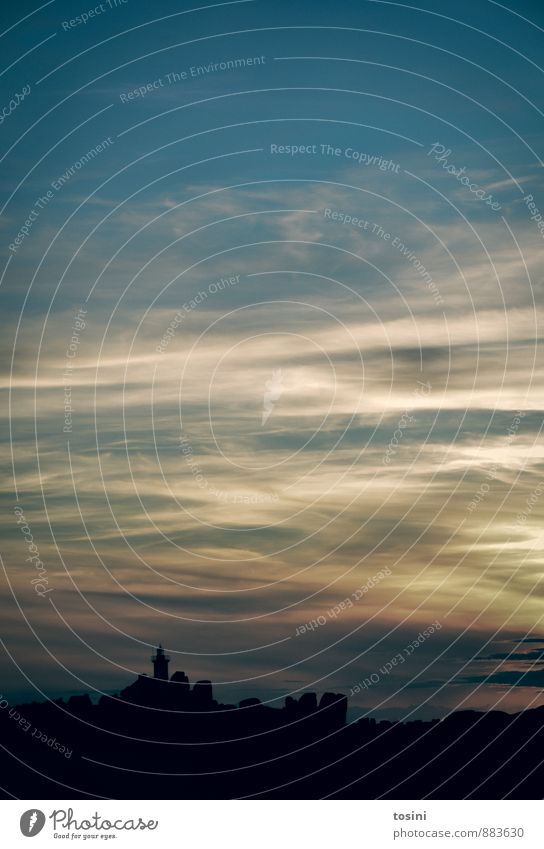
271,278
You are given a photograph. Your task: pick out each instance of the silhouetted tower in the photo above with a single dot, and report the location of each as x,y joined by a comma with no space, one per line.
160,664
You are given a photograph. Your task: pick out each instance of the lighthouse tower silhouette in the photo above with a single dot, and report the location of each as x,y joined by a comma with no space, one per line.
160,664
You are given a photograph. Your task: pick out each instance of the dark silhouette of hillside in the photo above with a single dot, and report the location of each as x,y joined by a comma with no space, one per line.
161,738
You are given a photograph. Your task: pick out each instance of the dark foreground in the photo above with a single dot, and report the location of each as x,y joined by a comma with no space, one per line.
164,740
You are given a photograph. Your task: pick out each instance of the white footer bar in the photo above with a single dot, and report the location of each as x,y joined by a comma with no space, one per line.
273,824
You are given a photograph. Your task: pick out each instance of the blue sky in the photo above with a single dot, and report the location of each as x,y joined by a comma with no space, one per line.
265,272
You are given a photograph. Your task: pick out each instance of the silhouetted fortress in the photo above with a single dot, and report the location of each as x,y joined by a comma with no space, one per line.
175,694
161,738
